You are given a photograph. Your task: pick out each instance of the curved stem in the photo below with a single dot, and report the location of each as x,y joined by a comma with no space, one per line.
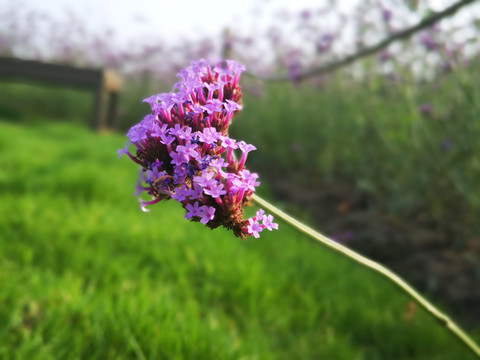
376,267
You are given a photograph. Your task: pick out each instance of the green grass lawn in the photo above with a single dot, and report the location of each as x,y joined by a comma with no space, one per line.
85,274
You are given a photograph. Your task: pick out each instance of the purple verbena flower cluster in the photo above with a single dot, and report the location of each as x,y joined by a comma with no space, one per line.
186,153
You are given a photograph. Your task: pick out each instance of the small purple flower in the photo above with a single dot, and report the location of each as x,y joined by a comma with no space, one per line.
235,183
160,131
229,143
192,210
259,215
185,134
254,228
206,214
218,163
213,106
250,179
196,192
167,139
181,193
137,133
232,106
188,150
176,129
205,179
268,222
209,135
152,100
215,190
155,172
246,148
178,158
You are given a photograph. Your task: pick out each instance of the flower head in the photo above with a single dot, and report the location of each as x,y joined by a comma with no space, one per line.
186,153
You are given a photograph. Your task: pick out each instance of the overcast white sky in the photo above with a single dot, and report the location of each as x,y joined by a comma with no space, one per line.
185,18
134,20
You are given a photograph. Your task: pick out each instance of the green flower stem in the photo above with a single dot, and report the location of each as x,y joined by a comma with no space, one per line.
380,269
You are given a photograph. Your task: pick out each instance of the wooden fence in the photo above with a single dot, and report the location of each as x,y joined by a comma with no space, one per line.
105,84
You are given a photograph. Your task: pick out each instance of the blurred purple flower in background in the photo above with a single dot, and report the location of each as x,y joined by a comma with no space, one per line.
293,64
343,236
305,14
386,14
426,109
385,55
325,42
447,144
428,42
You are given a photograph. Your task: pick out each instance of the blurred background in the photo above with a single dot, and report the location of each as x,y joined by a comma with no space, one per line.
382,155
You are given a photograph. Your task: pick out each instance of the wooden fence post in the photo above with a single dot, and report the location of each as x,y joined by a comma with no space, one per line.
104,83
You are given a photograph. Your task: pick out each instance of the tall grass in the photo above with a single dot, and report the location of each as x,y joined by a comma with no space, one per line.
85,274
413,146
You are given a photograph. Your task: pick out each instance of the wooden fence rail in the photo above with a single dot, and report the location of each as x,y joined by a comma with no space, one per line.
104,83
